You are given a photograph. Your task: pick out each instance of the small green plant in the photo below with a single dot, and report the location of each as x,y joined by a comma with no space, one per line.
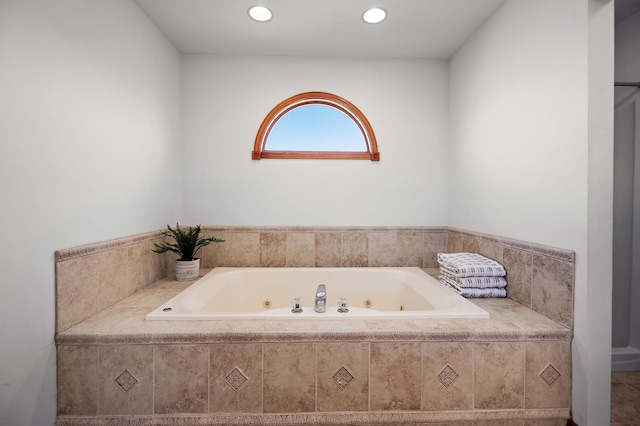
187,242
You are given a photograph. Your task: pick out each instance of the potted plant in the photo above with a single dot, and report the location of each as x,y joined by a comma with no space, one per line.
186,245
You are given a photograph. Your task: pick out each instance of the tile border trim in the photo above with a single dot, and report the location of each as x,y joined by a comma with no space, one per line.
88,249
539,249
305,337
351,418
321,229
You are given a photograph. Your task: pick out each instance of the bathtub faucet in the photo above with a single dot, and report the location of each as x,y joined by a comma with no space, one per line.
321,298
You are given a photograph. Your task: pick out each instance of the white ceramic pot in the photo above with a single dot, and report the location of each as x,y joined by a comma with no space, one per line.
187,270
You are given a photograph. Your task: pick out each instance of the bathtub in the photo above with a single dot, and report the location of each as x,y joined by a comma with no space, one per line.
261,293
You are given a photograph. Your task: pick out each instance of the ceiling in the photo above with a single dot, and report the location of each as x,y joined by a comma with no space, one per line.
413,28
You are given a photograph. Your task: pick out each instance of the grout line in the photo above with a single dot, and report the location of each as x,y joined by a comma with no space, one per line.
316,376
473,374
98,373
153,380
369,372
262,373
524,376
208,378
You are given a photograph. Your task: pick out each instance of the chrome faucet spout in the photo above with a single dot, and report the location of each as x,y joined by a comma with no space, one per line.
321,299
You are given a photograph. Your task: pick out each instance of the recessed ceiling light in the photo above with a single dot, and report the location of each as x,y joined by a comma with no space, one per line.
260,13
374,15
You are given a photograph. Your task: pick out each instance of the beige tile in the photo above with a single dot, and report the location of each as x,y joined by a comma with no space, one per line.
490,250
395,376
245,249
301,249
273,249
158,262
236,378
112,269
138,263
552,289
519,267
382,248
289,378
519,315
216,254
548,375
434,243
355,249
470,245
410,248
447,376
552,422
328,249
77,291
181,379
77,380
151,297
343,376
126,379
170,260
500,423
498,375
454,242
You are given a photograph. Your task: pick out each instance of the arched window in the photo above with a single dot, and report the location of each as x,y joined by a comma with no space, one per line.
316,125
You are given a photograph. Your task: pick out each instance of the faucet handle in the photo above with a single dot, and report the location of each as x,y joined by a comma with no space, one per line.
296,305
343,305
321,291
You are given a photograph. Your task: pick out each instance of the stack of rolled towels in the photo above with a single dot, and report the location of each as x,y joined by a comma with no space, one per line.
472,275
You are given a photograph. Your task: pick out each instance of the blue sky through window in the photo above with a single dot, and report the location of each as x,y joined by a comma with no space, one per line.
316,128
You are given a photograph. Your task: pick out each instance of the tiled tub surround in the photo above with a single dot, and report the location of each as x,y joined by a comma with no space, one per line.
512,369
93,277
89,278
539,277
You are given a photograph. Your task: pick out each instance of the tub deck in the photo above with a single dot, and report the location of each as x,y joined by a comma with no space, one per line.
124,322
514,365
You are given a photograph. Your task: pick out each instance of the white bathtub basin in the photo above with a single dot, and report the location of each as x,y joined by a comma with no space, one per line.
246,293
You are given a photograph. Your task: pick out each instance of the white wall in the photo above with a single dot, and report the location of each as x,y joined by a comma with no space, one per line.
227,97
529,155
626,272
89,137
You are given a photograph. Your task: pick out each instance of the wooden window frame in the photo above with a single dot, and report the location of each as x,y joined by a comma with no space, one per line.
316,98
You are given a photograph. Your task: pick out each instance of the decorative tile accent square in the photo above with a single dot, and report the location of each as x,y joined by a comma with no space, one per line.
236,378
232,391
438,359
337,389
343,377
126,381
447,376
550,374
